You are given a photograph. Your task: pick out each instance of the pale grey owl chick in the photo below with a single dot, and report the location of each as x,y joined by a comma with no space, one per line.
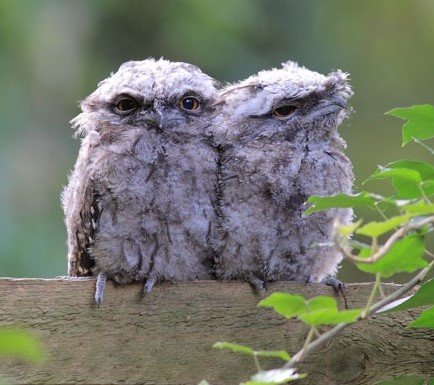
279,143
139,205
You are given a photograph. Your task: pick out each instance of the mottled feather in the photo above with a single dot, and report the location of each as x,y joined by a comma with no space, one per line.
140,201
271,164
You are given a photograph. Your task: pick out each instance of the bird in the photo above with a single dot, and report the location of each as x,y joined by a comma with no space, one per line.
140,202
278,141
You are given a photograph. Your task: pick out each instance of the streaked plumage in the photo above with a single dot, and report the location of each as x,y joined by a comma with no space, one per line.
139,205
271,164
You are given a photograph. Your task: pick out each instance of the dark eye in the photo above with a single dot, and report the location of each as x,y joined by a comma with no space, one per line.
284,111
125,105
189,103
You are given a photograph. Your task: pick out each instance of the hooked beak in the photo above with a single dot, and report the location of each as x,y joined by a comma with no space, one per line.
333,105
154,119
340,101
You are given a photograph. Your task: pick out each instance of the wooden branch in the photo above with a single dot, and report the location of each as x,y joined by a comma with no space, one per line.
166,336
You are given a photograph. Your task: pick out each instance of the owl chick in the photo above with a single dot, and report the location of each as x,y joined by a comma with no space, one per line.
139,205
277,132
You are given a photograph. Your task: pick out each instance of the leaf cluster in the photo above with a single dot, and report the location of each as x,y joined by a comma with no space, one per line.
409,213
395,243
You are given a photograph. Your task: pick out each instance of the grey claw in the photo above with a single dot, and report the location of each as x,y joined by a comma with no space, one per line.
100,285
149,285
337,285
257,283
334,283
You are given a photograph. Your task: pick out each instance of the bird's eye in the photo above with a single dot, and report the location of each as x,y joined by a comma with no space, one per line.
284,111
125,105
189,103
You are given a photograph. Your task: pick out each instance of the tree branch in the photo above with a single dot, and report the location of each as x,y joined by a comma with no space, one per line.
396,236
335,331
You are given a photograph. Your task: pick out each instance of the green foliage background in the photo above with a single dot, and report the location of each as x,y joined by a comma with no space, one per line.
52,53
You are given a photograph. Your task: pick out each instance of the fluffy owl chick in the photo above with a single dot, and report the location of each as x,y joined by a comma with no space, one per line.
277,131
139,203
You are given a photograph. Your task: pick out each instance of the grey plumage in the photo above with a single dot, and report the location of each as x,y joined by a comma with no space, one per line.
277,132
139,205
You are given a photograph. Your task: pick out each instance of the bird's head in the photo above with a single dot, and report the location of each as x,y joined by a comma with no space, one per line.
291,103
167,97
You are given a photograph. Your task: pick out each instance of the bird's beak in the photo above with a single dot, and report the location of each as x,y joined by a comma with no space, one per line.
333,105
340,101
154,119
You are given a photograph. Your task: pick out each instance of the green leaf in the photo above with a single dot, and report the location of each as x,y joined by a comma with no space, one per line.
403,380
321,302
408,177
323,310
425,170
320,310
20,343
330,317
428,187
375,229
234,348
425,320
404,256
405,181
419,208
273,354
347,230
363,198
424,296
420,122
285,304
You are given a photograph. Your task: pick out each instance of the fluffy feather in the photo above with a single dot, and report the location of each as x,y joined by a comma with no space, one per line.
270,165
139,205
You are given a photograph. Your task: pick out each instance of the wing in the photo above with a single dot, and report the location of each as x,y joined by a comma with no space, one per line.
80,201
80,262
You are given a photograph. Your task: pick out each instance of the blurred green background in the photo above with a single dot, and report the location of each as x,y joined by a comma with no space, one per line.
53,53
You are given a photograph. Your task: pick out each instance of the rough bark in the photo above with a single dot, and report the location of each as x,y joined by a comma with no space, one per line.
166,337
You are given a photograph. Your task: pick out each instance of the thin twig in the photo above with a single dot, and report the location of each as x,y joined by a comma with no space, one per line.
416,280
396,236
309,338
257,364
317,333
431,255
425,146
372,295
425,197
381,292
381,212
329,335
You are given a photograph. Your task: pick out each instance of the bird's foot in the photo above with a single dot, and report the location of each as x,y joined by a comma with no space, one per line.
337,285
149,285
100,285
258,284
